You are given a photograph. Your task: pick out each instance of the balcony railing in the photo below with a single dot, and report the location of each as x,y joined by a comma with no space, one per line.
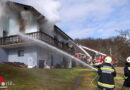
7,41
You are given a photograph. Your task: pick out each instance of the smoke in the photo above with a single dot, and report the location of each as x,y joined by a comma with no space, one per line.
2,14
48,8
8,19
2,7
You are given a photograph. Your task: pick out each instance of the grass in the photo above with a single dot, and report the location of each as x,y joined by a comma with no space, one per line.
86,83
39,79
118,82
55,79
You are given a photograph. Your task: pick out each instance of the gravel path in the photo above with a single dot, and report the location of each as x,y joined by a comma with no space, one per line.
77,82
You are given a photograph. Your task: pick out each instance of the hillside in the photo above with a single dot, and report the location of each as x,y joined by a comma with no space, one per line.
117,47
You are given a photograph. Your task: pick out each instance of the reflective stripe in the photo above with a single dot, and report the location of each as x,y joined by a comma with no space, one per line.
106,85
128,68
125,77
107,69
107,66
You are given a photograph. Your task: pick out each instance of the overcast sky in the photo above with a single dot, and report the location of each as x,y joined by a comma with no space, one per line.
92,18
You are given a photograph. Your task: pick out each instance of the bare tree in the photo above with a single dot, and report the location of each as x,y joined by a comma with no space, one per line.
120,48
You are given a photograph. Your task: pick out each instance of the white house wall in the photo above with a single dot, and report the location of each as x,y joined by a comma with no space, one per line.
13,27
4,24
29,52
3,55
57,59
10,22
42,54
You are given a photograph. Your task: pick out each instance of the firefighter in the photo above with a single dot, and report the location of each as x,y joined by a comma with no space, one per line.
127,73
106,74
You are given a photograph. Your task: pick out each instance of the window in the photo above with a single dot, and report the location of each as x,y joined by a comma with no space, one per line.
5,33
20,53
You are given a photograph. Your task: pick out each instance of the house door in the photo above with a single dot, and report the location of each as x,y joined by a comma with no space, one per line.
41,63
52,61
30,62
64,63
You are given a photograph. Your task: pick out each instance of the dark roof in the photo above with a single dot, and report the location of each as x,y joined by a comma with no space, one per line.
10,3
63,33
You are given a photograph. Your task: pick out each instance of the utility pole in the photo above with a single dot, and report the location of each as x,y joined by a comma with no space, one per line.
110,52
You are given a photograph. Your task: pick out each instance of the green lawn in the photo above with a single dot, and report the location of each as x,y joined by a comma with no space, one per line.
89,81
39,79
55,79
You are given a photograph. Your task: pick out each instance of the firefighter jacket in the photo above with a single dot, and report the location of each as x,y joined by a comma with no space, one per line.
127,75
106,74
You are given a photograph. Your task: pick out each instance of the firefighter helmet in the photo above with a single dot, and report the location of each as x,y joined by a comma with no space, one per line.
108,59
128,59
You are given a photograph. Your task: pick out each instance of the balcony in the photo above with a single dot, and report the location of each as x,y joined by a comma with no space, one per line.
16,40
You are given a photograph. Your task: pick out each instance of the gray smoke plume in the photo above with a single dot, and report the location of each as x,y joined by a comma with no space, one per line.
2,14
8,19
2,7
49,8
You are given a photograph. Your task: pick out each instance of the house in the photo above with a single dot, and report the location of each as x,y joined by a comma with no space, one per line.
27,20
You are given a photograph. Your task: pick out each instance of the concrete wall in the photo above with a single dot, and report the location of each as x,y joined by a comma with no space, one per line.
4,25
36,53
29,52
42,54
48,56
57,59
3,55
52,57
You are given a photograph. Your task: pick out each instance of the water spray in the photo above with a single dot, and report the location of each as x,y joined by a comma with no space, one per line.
56,49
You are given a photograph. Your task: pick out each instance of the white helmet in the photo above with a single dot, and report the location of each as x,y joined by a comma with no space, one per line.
108,59
128,59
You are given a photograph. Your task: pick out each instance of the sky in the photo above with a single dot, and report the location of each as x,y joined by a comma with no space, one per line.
92,18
